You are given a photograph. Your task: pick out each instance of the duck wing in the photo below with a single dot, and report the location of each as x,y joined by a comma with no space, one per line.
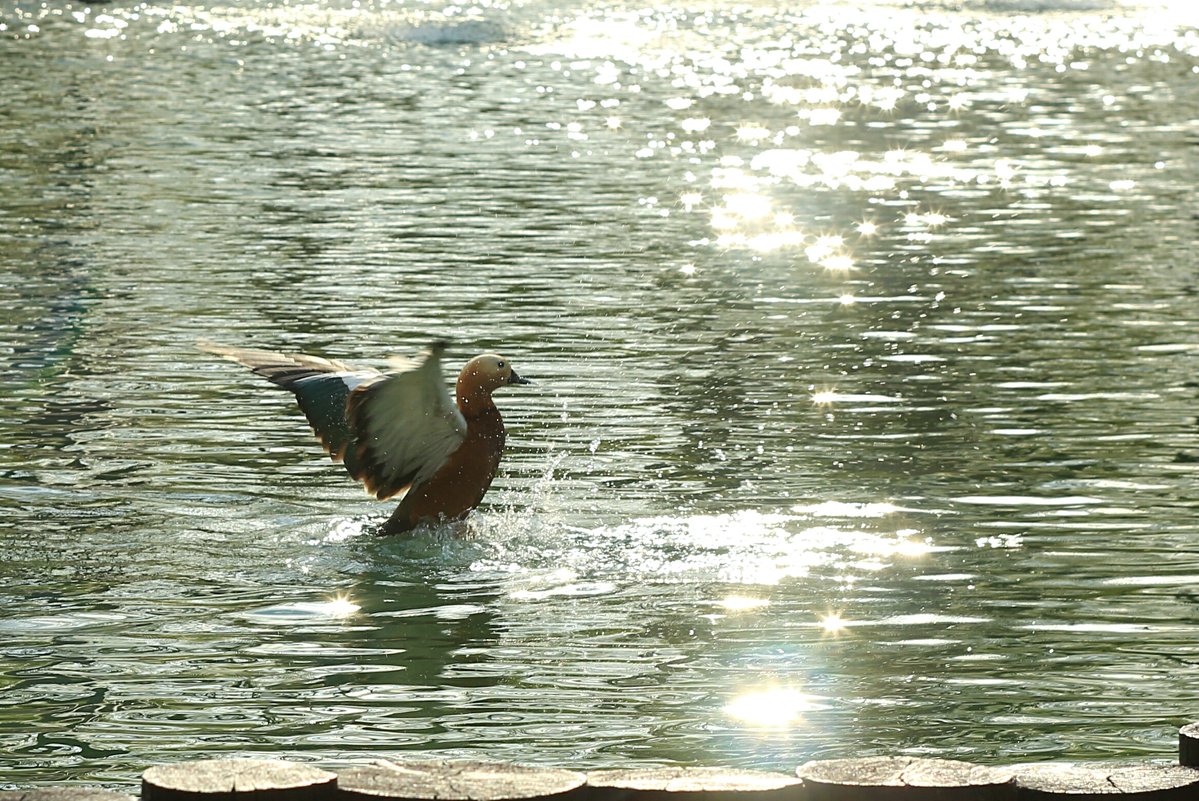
321,386
404,425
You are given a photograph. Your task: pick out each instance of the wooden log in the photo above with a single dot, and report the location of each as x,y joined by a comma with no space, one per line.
1188,745
692,784
456,780
238,780
904,779
63,794
1069,782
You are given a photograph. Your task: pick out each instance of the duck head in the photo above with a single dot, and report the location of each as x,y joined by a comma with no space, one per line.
483,375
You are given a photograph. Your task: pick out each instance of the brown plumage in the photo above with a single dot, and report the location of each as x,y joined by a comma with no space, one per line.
400,432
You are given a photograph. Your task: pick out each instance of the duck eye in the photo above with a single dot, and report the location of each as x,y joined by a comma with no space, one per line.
500,365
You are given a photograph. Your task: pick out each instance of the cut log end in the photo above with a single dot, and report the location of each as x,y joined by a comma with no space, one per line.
691,784
63,794
1070,782
240,779
903,778
454,780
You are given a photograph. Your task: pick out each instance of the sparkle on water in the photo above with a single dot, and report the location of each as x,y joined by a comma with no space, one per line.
772,707
833,622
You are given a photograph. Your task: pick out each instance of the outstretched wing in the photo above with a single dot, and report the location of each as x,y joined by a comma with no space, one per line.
404,426
321,386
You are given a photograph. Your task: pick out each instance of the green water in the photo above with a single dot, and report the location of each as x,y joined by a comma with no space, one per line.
865,337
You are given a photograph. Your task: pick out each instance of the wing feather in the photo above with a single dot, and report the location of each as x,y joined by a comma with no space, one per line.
323,399
405,425
284,369
321,386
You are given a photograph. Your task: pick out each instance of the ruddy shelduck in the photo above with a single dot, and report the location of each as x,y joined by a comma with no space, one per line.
399,432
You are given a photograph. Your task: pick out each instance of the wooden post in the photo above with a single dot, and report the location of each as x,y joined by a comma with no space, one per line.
692,784
63,794
453,780
904,779
1188,745
1069,782
238,780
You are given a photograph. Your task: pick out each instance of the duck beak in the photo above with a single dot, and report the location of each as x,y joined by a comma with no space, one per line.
515,379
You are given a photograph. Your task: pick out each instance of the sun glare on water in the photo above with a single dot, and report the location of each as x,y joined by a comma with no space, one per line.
742,603
824,397
340,606
771,707
832,623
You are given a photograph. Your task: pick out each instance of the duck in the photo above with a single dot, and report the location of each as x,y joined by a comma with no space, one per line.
399,432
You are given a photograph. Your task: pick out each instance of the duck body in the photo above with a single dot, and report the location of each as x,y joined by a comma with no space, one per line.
459,486
399,432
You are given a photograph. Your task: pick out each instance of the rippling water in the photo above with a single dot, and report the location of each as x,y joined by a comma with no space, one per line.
865,337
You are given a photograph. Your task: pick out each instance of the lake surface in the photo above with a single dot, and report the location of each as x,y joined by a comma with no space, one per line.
866,349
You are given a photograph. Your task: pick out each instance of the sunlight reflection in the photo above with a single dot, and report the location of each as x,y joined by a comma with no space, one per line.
782,162
837,263
344,530
747,205
843,509
722,220
773,707
826,251
827,396
1005,171
912,547
824,397
752,133
824,246
340,606
832,623
615,38
730,175
747,548
906,545
742,603
822,116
